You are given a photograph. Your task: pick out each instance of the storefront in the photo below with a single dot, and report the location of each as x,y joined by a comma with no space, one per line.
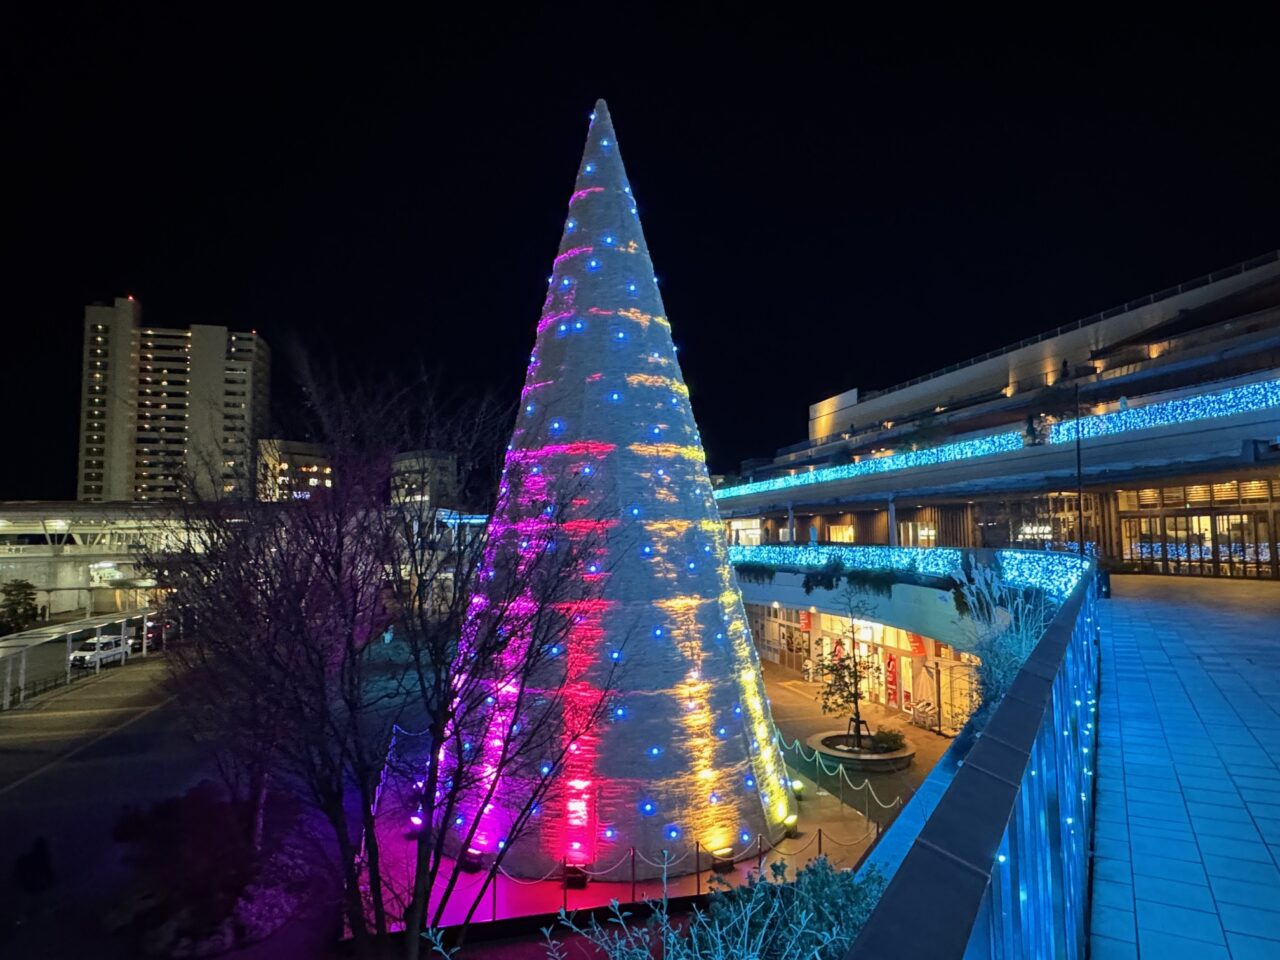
1223,529
926,680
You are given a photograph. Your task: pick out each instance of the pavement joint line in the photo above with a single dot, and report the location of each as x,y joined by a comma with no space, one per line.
84,746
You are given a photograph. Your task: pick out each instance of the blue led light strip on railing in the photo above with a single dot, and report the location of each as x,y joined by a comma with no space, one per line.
932,561
1205,406
947,453
1223,403
1054,573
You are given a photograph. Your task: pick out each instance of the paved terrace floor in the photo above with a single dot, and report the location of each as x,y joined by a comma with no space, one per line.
1188,822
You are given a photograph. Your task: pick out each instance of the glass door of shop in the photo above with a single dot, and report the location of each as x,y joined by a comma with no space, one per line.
1189,544
1143,543
1243,544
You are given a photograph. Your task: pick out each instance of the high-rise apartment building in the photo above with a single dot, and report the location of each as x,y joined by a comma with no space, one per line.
168,412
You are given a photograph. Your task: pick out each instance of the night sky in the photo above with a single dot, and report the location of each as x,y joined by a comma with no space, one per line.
829,205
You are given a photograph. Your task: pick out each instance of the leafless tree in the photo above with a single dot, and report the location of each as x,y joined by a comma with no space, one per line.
846,677
317,626
486,624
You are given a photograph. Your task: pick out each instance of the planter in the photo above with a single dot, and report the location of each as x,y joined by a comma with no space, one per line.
837,745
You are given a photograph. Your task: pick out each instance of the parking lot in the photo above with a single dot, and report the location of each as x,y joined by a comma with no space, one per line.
45,651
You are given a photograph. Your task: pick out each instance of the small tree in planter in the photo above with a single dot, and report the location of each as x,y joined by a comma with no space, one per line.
847,676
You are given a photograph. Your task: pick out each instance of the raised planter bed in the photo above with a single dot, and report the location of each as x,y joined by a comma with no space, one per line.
838,745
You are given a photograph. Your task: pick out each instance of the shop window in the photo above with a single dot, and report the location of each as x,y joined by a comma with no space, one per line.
1197,494
1228,492
1148,499
912,533
841,533
1254,490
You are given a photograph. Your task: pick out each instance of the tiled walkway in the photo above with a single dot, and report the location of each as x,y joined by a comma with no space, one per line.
1188,821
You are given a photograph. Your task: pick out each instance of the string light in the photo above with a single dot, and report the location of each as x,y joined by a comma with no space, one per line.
590,807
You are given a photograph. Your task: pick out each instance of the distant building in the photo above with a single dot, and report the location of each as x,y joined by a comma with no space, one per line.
292,469
168,412
430,475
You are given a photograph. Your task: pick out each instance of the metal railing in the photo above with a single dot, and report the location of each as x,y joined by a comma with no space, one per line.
996,841
1146,301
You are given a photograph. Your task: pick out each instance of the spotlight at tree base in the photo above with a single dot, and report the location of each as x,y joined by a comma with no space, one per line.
790,821
575,878
797,787
470,861
722,860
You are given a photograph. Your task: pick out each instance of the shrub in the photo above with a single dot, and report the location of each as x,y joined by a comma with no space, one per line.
825,579
755,572
816,916
887,741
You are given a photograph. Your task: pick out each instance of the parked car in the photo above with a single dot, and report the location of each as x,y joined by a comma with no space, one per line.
100,651
160,632
135,642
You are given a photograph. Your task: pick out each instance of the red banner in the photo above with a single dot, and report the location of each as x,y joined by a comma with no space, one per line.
806,620
917,644
891,679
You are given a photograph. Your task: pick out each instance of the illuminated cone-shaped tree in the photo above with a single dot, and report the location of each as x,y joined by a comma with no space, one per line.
606,454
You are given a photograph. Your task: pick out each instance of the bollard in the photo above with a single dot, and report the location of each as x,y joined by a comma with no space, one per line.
760,852
633,874
8,682
495,894
697,868
819,841
564,868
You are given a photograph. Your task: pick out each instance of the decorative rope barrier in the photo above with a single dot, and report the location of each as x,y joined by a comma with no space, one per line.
791,853
529,883
666,863
839,771
600,873
849,843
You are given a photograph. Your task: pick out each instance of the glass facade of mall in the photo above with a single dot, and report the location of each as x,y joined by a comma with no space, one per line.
1208,525
930,682
1224,528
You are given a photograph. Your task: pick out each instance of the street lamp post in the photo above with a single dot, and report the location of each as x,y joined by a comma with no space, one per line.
1079,479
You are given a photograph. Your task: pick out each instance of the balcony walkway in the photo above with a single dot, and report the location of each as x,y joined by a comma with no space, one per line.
1188,820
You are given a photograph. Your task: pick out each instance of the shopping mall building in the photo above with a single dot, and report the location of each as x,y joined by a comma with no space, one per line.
1164,413
1154,425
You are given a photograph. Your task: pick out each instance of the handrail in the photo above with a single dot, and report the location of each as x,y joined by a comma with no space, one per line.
1001,854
